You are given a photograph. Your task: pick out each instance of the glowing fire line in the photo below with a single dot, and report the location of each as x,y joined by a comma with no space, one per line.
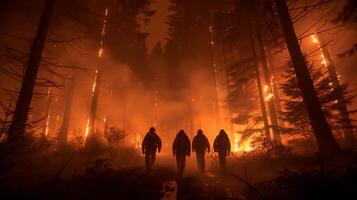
100,55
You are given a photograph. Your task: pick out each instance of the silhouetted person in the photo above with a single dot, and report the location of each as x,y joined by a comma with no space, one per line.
222,145
181,148
151,143
200,145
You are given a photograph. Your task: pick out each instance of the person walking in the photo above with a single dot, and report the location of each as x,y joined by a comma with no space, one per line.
222,145
180,149
200,145
150,145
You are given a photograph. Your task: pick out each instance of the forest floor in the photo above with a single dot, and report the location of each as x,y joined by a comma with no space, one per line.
79,175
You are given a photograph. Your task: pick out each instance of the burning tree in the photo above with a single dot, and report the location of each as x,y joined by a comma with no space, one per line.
294,108
324,137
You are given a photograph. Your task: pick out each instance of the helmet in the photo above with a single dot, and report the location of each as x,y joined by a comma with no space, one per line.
152,129
199,131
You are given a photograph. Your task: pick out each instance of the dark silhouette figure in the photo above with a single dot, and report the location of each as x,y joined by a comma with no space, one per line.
151,143
181,148
222,145
200,145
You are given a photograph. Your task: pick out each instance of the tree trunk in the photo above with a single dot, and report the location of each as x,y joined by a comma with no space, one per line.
216,81
260,91
342,107
94,105
324,137
18,125
266,73
277,102
63,132
275,87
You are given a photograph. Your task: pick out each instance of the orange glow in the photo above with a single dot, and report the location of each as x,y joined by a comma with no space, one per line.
104,28
236,141
246,146
265,89
95,83
47,124
323,60
314,39
100,52
87,131
268,97
48,114
138,141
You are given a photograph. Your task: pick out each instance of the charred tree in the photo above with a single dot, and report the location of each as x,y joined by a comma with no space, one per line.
268,81
338,90
260,90
63,132
18,125
322,131
216,105
93,106
277,102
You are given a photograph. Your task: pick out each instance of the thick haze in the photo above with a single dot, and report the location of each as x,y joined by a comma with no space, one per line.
137,92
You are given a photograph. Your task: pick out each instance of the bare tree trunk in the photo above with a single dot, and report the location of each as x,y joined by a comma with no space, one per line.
63,132
322,131
266,73
216,81
260,91
18,125
341,103
277,102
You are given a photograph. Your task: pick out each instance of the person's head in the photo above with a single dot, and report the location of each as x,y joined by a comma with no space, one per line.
181,132
199,132
222,132
152,130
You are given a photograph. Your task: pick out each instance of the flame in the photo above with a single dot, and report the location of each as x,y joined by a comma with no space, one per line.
103,33
47,124
236,141
268,97
87,131
48,114
314,39
100,52
95,82
323,60
266,89
246,145
339,77
138,141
